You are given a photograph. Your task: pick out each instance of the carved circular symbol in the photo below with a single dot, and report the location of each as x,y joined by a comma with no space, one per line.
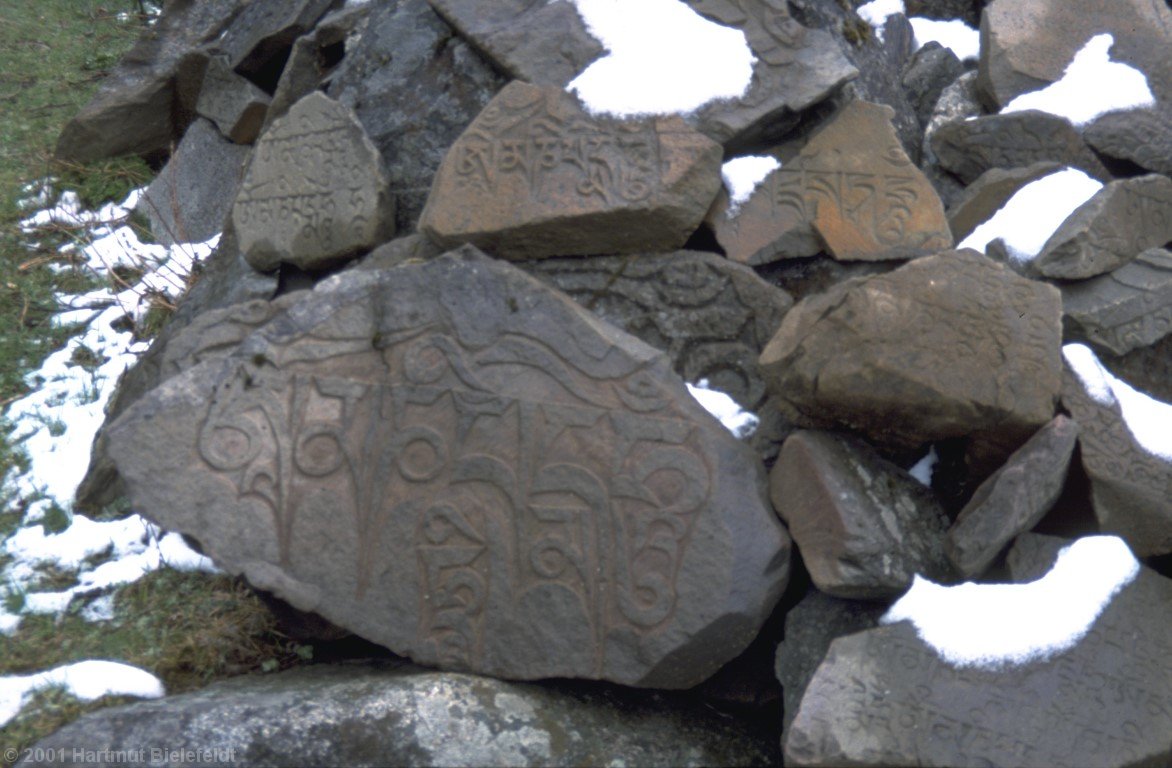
419,453
319,451
229,447
549,559
424,362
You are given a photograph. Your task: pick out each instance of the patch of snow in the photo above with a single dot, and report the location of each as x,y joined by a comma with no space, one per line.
964,41
922,469
9,622
876,12
175,554
735,419
1090,86
742,175
999,625
86,680
663,58
1148,420
1030,217
40,194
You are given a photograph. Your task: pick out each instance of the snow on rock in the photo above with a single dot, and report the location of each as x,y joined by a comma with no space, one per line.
964,41
735,419
742,175
922,470
995,625
87,680
876,12
663,58
1029,218
1092,85
1149,420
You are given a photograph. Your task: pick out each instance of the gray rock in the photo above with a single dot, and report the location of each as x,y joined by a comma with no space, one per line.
1143,136
379,714
536,175
931,70
452,460
315,192
234,104
1032,556
1148,369
1013,500
415,87
864,526
1123,219
1128,308
710,315
189,201
968,11
408,248
956,103
258,40
989,193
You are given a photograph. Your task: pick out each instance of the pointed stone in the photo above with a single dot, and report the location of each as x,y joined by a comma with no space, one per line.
235,105
1126,309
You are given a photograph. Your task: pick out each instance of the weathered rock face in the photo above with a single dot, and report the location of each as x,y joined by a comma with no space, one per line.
452,460
933,69
945,346
863,525
852,189
1143,136
1126,309
315,192
711,316
536,176
383,714
1013,500
234,104
884,697
257,43
1123,219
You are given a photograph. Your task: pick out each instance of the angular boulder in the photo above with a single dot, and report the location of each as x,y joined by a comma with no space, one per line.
315,192
1143,136
458,463
257,42
989,193
1126,309
234,104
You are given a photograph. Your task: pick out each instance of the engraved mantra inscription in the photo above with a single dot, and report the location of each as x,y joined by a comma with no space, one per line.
508,502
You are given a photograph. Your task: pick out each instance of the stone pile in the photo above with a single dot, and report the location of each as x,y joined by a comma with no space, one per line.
431,386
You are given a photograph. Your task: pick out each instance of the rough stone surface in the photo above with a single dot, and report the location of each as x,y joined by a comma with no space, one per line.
191,197
257,43
1143,136
851,188
385,714
1123,310
315,192
968,11
454,461
1013,500
968,148
945,346
1130,487
933,69
415,87
863,525
408,248
989,193
1148,369
711,316
234,104
1123,219
883,697
535,175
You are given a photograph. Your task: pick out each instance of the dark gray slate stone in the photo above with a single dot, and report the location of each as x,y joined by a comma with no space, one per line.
380,714
1032,556
459,463
968,148
1123,219
883,697
1143,136
1013,500
1128,308
957,101
864,526
257,42
233,103
989,193
409,248
189,201
415,87
932,69
710,315
1149,369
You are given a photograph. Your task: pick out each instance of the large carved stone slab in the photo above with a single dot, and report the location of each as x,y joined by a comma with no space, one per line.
883,697
945,346
454,461
1123,219
711,316
315,192
535,176
1143,136
1126,309
851,188
863,525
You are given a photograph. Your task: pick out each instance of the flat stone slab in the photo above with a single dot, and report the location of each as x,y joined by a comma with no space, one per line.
989,193
1143,136
456,462
863,525
1123,219
315,193
1126,309
535,175
945,346
851,190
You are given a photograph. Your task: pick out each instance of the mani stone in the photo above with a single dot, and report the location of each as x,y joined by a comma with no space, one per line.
456,462
864,526
851,188
1130,487
1013,500
945,346
235,105
712,316
1143,136
1123,219
968,148
1123,310
535,175
981,200
884,697
315,193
